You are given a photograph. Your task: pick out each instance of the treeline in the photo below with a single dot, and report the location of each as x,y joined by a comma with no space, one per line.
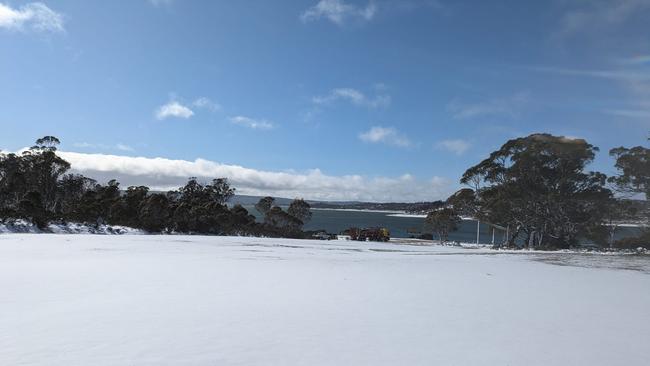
36,186
539,190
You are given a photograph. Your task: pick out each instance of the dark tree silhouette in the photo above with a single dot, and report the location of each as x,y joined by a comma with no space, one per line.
538,185
264,205
35,186
300,209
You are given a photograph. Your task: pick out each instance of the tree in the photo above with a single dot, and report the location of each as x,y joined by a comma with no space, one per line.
633,166
192,192
538,185
301,210
241,221
201,208
126,209
13,181
220,190
71,189
47,143
287,224
44,168
264,205
442,222
154,213
31,208
34,185
464,202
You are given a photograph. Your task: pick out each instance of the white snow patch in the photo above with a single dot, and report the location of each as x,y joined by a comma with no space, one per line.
408,215
358,210
23,226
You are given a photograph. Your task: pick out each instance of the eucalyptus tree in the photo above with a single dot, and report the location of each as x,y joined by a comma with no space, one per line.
633,165
300,209
442,222
539,185
265,204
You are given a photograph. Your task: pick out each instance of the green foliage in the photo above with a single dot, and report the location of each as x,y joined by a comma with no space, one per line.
442,222
198,208
285,224
538,186
35,186
264,205
31,207
300,209
633,166
280,223
464,202
154,213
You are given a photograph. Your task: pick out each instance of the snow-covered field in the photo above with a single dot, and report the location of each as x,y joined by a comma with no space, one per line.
186,300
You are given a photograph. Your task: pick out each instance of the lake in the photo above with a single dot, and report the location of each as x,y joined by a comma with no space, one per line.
335,221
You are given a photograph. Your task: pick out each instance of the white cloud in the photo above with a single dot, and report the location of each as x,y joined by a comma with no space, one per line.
35,16
353,96
173,109
625,75
633,76
458,147
339,11
508,106
176,109
385,135
592,16
164,174
636,60
631,113
256,124
206,103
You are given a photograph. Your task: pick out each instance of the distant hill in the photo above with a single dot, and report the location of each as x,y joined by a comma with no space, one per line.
246,200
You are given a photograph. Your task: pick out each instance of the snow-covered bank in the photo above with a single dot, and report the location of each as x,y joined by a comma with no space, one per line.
358,210
191,300
423,216
24,227
408,215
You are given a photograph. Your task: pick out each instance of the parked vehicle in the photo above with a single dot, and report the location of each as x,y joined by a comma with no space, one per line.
322,235
380,234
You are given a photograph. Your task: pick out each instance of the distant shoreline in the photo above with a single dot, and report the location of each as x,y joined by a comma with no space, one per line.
395,212
408,215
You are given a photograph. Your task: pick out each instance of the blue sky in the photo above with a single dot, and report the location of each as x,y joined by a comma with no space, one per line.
330,99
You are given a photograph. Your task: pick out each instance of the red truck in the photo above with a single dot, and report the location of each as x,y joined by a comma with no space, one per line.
369,234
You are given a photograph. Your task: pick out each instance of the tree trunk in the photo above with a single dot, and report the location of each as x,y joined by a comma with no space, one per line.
612,231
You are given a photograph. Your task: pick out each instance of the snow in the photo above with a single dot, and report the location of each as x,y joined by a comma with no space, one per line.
359,210
423,216
23,226
408,215
192,300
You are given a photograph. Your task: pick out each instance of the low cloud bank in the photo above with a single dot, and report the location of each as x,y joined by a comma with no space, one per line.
164,174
